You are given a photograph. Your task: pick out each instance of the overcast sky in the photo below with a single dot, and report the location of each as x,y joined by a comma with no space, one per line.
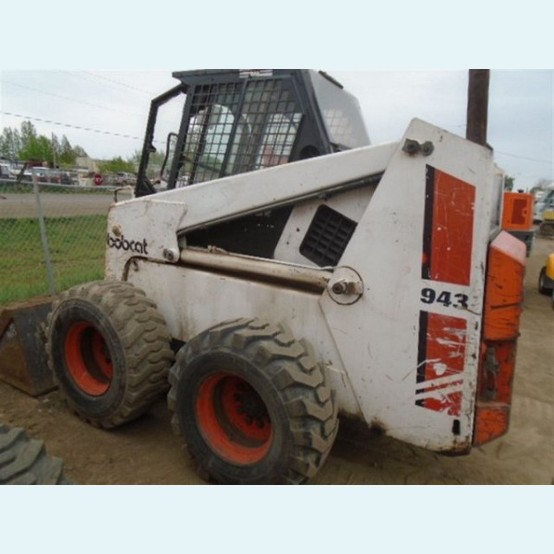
105,111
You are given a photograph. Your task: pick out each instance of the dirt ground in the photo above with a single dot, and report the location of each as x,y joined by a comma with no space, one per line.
147,452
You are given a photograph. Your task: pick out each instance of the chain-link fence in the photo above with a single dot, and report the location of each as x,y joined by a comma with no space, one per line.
51,236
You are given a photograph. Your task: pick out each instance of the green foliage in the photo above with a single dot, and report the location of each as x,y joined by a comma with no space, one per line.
155,158
116,165
509,183
10,144
38,148
28,145
155,161
67,154
135,158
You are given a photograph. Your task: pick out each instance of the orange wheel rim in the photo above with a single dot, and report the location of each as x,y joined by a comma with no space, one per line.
88,359
233,419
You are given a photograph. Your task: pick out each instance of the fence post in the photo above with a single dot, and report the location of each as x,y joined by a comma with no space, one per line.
44,238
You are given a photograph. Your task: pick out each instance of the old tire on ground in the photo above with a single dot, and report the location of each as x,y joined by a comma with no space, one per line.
542,278
253,404
109,349
23,461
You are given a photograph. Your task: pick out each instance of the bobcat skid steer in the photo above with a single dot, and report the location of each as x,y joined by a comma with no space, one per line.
271,299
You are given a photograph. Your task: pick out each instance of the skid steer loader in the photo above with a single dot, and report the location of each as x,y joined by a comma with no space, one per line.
270,298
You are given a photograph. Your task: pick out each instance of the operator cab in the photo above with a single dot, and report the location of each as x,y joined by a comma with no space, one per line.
217,123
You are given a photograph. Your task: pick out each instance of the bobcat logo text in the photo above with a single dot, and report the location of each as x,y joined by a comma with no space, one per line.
121,243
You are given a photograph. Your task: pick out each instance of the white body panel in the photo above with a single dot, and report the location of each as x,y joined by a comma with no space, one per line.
380,344
154,221
202,298
386,252
351,204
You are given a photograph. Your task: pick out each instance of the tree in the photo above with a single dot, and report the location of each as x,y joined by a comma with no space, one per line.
116,165
28,145
28,134
509,183
10,144
155,161
79,151
67,155
37,148
135,158
55,150
34,147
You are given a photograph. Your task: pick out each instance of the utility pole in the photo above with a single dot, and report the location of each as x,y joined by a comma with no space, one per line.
477,105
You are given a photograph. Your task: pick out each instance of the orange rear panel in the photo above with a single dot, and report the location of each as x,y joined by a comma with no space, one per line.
503,300
504,292
518,211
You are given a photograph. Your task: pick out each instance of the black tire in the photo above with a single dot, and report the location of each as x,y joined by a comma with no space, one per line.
542,277
24,461
109,349
253,404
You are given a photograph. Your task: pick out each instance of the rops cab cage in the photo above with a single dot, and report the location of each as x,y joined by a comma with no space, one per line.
217,123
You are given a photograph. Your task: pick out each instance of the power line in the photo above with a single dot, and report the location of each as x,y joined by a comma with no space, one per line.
524,158
68,98
68,125
107,79
121,135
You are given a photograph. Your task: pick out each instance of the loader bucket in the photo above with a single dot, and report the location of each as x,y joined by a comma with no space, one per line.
22,353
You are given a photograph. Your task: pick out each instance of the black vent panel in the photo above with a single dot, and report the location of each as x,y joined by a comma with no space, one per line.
327,237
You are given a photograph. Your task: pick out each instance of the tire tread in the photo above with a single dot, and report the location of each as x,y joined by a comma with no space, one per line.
24,461
145,342
295,374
